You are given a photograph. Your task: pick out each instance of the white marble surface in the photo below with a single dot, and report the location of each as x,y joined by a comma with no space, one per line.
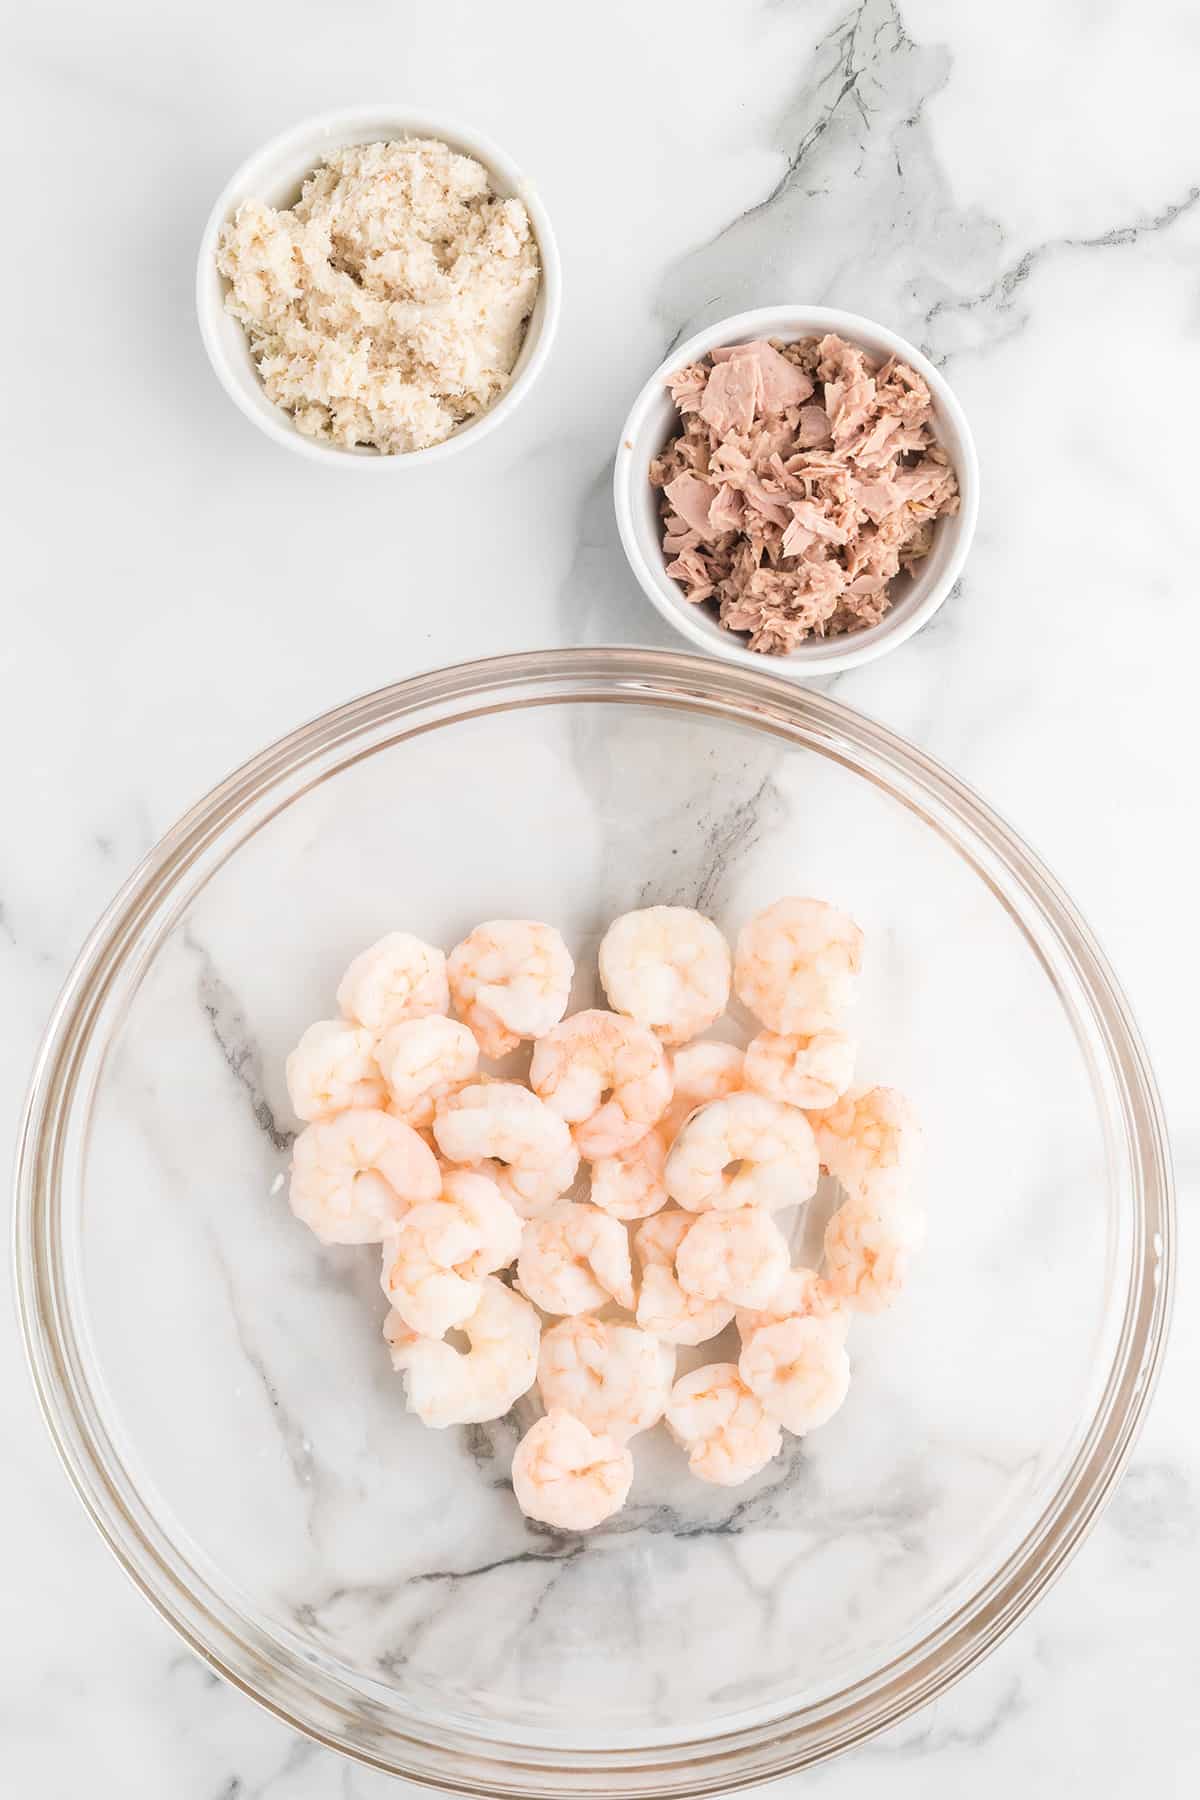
1015,188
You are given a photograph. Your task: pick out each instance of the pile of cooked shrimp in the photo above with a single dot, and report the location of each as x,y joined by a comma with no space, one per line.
498,1281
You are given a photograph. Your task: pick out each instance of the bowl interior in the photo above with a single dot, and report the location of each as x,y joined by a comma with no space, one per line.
655,419
276,176
233,1369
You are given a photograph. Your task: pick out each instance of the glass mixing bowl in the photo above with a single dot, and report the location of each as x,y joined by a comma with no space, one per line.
215,1380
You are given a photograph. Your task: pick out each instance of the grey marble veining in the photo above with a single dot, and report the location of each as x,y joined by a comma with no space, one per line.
1017,190
234,1038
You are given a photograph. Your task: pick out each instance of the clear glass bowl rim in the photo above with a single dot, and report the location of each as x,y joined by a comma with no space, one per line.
292,1689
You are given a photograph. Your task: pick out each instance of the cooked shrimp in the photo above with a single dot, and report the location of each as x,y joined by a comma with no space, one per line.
704,1072
566,1476
799,1370
332,1068
435,1261
656,1241
739,1257
419,1275
630,1184
494,1220
398,978
514,1137
804,1071
446,1386
612,1376
605,1075
574,1260
796,965
510,979
872,1143
744,1150
667,967
868,1248
665,1309
355,1176
802,1294
398,1337
722,1425
422,1061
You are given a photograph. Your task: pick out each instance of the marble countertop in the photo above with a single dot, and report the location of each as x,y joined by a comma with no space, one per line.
1015,188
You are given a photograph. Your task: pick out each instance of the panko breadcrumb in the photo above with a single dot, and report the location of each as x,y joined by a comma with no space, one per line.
389,304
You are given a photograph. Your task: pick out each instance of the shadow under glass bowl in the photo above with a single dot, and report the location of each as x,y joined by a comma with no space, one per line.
215,1381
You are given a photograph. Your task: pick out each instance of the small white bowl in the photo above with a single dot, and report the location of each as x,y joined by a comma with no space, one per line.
653,419
274,175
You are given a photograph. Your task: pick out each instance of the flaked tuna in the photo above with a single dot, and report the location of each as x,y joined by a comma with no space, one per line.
691,498
802,481
732,396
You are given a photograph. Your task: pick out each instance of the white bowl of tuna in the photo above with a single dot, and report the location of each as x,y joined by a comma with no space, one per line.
796,488
378,288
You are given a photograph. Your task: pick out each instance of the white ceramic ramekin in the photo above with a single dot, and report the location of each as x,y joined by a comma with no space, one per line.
654,417
274,175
